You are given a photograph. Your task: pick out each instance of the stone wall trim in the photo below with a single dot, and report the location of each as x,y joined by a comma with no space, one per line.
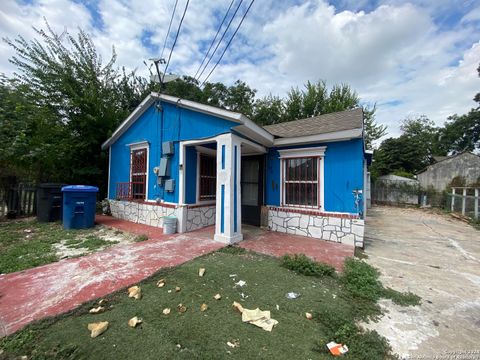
314,212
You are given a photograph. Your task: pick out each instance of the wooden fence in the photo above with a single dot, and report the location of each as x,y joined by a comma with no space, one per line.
464,200
18,200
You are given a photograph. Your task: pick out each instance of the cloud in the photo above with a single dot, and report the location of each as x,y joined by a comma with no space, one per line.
409,58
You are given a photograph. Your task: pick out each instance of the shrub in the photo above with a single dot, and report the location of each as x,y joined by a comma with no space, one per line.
140,238
361,280
301,264
403,299
232,250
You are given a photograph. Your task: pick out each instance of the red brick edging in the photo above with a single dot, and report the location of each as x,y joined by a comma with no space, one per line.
313,212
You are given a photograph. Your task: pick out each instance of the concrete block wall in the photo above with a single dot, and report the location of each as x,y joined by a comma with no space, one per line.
342,228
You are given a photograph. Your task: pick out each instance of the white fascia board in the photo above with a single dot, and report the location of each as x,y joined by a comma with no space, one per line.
328,137
129,120
206,109
303,152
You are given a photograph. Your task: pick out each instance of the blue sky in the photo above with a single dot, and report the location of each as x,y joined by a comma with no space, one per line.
410,58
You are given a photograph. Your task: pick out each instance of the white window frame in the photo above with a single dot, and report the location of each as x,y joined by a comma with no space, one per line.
313,152
139,146
205,151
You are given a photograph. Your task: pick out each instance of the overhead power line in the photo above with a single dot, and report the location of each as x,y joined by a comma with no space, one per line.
176,38
220,41
215,38
169,26
229,42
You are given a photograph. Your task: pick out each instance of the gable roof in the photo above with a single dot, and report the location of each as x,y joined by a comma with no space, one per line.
322,124
444,158
245,126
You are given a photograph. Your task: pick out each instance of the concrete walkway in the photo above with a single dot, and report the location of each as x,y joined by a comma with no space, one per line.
438,258
56,288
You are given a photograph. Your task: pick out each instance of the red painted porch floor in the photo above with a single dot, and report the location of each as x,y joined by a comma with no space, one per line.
56,288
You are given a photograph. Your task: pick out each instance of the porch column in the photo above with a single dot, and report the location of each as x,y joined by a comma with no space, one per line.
228,224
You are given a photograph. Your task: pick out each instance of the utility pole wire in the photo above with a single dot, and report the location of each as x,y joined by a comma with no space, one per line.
176,38
229,42
169,26
220,41
215,38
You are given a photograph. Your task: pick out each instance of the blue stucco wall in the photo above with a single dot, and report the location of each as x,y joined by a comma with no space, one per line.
178,125
343,173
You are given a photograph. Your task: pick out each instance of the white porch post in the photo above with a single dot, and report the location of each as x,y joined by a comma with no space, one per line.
228,224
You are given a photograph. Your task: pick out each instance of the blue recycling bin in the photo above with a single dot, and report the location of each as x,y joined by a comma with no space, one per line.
79,205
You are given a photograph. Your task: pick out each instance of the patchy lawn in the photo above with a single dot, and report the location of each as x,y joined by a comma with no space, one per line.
28,243
337,304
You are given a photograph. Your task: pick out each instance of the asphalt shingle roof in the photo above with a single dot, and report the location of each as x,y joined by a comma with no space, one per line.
322,124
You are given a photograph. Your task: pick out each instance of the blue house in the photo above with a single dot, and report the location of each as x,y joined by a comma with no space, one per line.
209,166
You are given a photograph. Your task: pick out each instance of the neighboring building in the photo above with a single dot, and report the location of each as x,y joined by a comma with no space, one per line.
206,165
439,175
394,189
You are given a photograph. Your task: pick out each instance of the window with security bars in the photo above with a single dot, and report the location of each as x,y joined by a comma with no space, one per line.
301,182
138,174
208,177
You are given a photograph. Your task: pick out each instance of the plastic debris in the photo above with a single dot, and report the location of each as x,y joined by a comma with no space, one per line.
256,317
237,307
259,318
203,307
27,231
177,289
278,307
243,295
97,310
97,328
309,316
292,295
181,308
169,291
201,271
102,301
161,283
217,297
135,292
337,349
240,283
233,275
133,322
166,311
233,343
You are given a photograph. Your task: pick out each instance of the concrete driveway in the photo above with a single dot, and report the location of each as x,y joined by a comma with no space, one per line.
438,258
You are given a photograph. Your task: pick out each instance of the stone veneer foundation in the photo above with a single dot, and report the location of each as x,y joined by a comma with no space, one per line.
194,217
342,228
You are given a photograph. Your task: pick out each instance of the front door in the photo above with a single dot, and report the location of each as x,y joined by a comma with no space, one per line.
252,189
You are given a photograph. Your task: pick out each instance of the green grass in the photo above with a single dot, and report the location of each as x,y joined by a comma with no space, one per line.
301,264
140,238
20,250
205,335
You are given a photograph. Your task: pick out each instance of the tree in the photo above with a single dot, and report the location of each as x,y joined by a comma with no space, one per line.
373,130
73,102
410,152
240,97
268,110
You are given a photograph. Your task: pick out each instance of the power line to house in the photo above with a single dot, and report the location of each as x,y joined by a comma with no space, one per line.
215,38
220,41
169,26
176,38
229,42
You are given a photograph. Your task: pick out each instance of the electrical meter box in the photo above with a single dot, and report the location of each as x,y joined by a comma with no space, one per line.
167,148
170,185
164,168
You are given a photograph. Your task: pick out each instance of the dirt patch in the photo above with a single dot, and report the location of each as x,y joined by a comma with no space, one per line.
68,249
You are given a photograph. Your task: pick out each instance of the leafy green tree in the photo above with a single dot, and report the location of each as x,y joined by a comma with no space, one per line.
240,98
268,110
74,102
373,130
410,152
460,133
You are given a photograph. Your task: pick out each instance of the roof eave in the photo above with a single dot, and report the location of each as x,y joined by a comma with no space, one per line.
342,135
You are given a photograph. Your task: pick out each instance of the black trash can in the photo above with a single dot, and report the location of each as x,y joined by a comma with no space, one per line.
49,202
